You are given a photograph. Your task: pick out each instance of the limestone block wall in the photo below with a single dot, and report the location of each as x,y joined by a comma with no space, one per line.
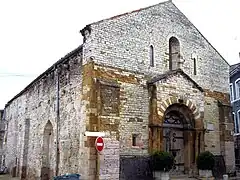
180,87
211,117
220,140
37,104
124,41
130,123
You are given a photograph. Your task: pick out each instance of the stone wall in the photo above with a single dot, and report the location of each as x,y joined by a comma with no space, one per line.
105,89
212,118
182,88
38,105
131,118
124,41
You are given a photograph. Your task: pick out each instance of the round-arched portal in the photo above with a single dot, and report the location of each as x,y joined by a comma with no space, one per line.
178,128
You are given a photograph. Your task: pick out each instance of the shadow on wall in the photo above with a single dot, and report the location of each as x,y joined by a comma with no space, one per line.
135,168
46,173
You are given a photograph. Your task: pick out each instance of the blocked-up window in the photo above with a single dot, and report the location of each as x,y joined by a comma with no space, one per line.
109,99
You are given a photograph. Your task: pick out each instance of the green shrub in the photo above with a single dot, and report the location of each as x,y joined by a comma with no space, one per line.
205,161
162,161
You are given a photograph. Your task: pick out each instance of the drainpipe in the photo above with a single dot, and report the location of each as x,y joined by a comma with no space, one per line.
58,121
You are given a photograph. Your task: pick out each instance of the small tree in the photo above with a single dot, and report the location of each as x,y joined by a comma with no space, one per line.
162,161
205,161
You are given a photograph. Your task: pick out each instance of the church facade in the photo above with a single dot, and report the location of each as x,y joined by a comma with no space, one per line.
148,79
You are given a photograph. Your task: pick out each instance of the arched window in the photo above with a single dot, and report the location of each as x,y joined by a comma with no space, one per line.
151,56
174,53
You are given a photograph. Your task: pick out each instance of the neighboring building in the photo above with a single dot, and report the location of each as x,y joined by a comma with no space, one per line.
2,133
235,102
148,79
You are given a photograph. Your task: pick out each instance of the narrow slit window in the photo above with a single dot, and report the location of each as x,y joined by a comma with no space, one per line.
151,56
134,140
194,66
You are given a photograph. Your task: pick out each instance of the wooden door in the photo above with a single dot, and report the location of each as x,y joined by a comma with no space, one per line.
174,143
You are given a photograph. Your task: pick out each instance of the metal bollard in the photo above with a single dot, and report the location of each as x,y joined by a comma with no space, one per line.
225,177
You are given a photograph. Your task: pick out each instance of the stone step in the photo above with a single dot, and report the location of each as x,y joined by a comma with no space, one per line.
181,177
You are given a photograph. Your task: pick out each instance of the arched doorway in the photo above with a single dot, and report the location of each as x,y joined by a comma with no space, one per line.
46,151
178,137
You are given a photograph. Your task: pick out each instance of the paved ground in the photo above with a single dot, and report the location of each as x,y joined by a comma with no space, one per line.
7,177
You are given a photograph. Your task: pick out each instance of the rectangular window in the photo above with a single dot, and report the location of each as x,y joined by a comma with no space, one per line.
134,140
236,120
195,67
237,88
231,92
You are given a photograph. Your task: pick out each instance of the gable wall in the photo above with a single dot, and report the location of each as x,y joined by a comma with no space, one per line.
124,42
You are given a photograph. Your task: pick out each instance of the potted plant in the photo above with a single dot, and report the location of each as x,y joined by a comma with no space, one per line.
162,163
205,163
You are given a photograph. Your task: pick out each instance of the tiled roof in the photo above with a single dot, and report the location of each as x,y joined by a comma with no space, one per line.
234,69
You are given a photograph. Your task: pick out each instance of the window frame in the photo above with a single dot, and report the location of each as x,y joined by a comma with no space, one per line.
234,122
236,90
231,92
237,120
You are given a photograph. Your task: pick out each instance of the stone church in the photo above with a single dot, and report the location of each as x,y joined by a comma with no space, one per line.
147,79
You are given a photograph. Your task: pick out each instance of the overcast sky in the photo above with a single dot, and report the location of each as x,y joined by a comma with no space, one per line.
35,34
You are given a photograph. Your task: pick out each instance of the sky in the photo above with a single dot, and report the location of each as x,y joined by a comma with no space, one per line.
34,34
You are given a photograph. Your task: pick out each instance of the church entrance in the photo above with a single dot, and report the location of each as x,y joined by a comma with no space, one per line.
178,139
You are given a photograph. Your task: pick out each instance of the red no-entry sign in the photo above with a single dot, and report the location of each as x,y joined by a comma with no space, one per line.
99,144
